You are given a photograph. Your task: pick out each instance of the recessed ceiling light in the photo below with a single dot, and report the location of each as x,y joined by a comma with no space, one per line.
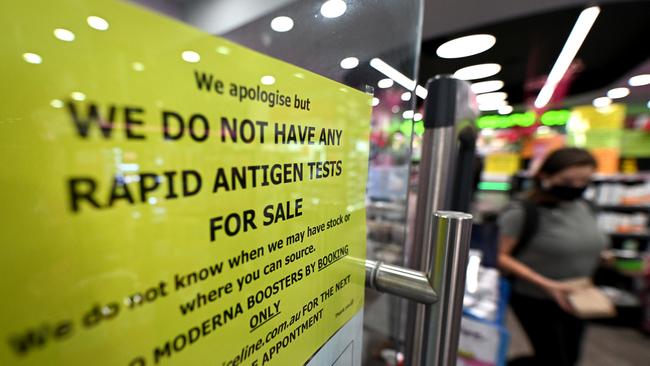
394,109
421,91
32,58
267,80
375,101
577,36
384,68
333,8
506,109
190,56
466,46
477,71
488,98
492,106
618,93
417,117
282,24
407,114
385,83
639,80
349,63
64,34
487,86
601,102
406,96
97,23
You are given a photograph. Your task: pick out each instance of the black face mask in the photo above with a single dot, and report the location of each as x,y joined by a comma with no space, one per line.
567,193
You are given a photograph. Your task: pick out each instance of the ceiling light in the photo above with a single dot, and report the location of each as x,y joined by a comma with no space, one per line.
375,101
385,83
32,58
492,106
488,98
64,34
576,37
349,62
406,96
282,24
394,109
421,92
617,93
333,8
190,56
417,117
381,66
487,86
601,102
407,114
466,46
639,80
267,80
97,23
506,109
477,71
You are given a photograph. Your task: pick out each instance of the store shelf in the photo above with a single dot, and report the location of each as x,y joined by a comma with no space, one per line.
623,208
645,236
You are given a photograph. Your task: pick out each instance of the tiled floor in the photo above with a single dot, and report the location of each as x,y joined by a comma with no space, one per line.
604,345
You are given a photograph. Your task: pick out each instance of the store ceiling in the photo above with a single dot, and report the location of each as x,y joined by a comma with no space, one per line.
528,45
530,35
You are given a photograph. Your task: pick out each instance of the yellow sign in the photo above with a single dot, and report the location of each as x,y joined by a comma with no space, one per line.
169,197
502,163
587,117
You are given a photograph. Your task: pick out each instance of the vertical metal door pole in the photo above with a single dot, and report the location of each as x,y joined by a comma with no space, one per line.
436,163
452,232
434,194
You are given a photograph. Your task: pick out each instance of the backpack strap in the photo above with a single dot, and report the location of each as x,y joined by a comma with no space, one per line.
529,227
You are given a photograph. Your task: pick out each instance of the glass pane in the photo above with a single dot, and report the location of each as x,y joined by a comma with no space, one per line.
368,45
342,48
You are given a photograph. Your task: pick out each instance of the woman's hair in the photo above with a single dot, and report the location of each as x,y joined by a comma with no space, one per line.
555,162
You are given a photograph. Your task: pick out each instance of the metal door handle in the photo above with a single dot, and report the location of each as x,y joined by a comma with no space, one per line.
451,233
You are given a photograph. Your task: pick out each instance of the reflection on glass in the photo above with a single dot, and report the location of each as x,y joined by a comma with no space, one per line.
32,58
349,63
385,83
267,80
97,23
56,103
223,50
282,24
78,96
138,66
64,35
333,8
191,56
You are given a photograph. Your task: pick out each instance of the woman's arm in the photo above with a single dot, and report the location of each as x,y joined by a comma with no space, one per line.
510,264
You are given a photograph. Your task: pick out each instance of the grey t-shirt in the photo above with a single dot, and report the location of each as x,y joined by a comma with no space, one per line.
567,243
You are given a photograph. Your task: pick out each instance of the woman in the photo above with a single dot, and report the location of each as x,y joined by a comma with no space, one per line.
566,244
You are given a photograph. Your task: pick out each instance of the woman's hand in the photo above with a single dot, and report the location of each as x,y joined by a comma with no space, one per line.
560,293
